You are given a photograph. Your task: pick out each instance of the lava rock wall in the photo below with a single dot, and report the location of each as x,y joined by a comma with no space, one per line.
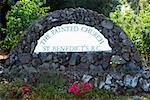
124,61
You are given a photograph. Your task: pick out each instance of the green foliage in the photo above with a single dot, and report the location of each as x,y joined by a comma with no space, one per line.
22,14
145,18
137,26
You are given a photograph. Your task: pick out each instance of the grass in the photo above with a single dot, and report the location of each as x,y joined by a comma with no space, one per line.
52,93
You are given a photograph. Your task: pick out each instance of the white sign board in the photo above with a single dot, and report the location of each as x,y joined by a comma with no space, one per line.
72,38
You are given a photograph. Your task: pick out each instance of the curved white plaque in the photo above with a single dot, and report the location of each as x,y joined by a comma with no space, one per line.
72,38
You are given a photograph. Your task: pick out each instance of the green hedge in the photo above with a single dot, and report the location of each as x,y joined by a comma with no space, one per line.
137,26
22,14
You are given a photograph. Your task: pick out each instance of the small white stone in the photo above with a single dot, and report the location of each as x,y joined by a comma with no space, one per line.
128,80
86,78
146,86
108,79
120,82
1,69
1,72
134,81
101,84
107,87
25,80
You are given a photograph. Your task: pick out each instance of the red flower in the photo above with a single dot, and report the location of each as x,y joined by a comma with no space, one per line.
25,88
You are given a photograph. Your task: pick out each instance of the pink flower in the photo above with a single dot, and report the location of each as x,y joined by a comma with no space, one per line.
26,95
77,91
30,85
81,87
88,85
73,87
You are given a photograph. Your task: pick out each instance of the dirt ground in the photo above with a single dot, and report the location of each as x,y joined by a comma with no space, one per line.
3,57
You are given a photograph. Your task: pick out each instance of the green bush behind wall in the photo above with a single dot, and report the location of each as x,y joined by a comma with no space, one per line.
19,18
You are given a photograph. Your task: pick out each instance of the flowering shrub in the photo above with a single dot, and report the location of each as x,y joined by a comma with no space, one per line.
20,92
16,90
79,87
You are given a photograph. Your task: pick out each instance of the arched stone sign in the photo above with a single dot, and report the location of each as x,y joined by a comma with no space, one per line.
122,64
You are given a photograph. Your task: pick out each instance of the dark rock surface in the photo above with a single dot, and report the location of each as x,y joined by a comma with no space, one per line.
73,59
